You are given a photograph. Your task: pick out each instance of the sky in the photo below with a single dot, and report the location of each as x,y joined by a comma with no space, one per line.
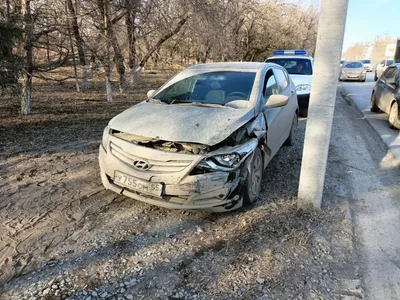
369,18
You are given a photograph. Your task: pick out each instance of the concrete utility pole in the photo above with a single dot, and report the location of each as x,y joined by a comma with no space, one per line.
322,101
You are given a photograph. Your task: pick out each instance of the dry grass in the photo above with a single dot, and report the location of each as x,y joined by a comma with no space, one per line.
60,115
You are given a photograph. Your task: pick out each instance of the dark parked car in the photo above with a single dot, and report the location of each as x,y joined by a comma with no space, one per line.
386,95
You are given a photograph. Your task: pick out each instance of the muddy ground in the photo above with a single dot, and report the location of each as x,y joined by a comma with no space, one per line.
63,236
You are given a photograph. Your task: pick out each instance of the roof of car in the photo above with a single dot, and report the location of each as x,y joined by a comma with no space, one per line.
242,66
291,56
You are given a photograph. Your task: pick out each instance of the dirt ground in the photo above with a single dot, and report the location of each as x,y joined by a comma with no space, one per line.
63,236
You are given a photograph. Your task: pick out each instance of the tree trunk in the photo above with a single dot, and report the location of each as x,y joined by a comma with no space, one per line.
73,55
26,95
93,67
8,9
108,86
107,61
131,6
79,43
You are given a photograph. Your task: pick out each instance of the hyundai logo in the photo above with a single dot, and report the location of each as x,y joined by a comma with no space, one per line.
141,165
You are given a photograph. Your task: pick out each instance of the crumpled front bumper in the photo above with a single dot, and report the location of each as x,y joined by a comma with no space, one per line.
218,191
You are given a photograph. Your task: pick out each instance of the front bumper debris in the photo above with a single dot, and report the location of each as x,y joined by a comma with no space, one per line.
182,187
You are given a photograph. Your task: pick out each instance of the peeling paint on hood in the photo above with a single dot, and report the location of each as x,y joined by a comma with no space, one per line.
181,123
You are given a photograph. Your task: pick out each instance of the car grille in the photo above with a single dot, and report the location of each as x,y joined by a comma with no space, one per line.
148,165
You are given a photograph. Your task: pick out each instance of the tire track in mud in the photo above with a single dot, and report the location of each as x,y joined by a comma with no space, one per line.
44,200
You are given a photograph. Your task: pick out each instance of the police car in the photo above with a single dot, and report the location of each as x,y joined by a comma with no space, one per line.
300,67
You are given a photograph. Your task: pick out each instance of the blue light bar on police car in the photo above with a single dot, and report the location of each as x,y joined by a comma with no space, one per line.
290,52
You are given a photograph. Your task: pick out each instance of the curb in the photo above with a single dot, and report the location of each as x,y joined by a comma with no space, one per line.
393,156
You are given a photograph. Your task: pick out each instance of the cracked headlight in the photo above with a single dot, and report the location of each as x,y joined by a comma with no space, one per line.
303,88
228,160
224,162
104,140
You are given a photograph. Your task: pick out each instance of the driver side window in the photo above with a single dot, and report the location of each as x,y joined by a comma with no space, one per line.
390,74
270,85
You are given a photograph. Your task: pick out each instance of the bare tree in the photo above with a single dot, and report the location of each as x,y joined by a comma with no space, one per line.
79,42
26,100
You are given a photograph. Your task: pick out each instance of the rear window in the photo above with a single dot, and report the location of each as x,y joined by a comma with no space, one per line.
365,61
294,66
353,65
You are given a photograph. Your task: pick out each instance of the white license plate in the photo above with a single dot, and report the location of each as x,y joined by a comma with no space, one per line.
133,183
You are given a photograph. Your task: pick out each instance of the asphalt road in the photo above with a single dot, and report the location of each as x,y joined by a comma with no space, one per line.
371,185
360,94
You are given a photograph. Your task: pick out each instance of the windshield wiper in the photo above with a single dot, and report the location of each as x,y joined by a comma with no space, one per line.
200,104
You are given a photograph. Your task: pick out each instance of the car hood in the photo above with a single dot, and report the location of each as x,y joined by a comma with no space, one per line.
301,79
181,123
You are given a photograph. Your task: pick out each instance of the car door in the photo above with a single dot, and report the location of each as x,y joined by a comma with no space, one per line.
388,88
274,116
288,111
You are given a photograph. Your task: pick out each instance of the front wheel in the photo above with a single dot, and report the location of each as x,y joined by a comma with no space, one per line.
254,177
374,107
394,121
303,112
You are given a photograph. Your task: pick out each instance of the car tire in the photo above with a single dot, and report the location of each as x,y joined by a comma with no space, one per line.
363,80
292,136
254,177
375,77
394,121
373,106
303,112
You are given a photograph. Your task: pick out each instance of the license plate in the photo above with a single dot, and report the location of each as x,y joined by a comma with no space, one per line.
135,184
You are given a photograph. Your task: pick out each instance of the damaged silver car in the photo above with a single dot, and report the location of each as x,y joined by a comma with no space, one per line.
203,140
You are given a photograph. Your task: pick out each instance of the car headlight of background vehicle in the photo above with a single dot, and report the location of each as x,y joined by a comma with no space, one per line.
343,72
364,72
303,88
104,140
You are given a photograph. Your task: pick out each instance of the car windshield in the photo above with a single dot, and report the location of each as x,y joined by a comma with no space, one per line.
389,62
353,65
365,61
294,66
217,88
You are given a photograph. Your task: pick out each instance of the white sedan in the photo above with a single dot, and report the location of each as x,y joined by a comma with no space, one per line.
203,140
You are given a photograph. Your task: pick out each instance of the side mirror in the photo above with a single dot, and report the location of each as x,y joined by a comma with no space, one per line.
277,101
150,93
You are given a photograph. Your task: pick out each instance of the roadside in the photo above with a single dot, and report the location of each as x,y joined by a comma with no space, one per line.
360,95
370,182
